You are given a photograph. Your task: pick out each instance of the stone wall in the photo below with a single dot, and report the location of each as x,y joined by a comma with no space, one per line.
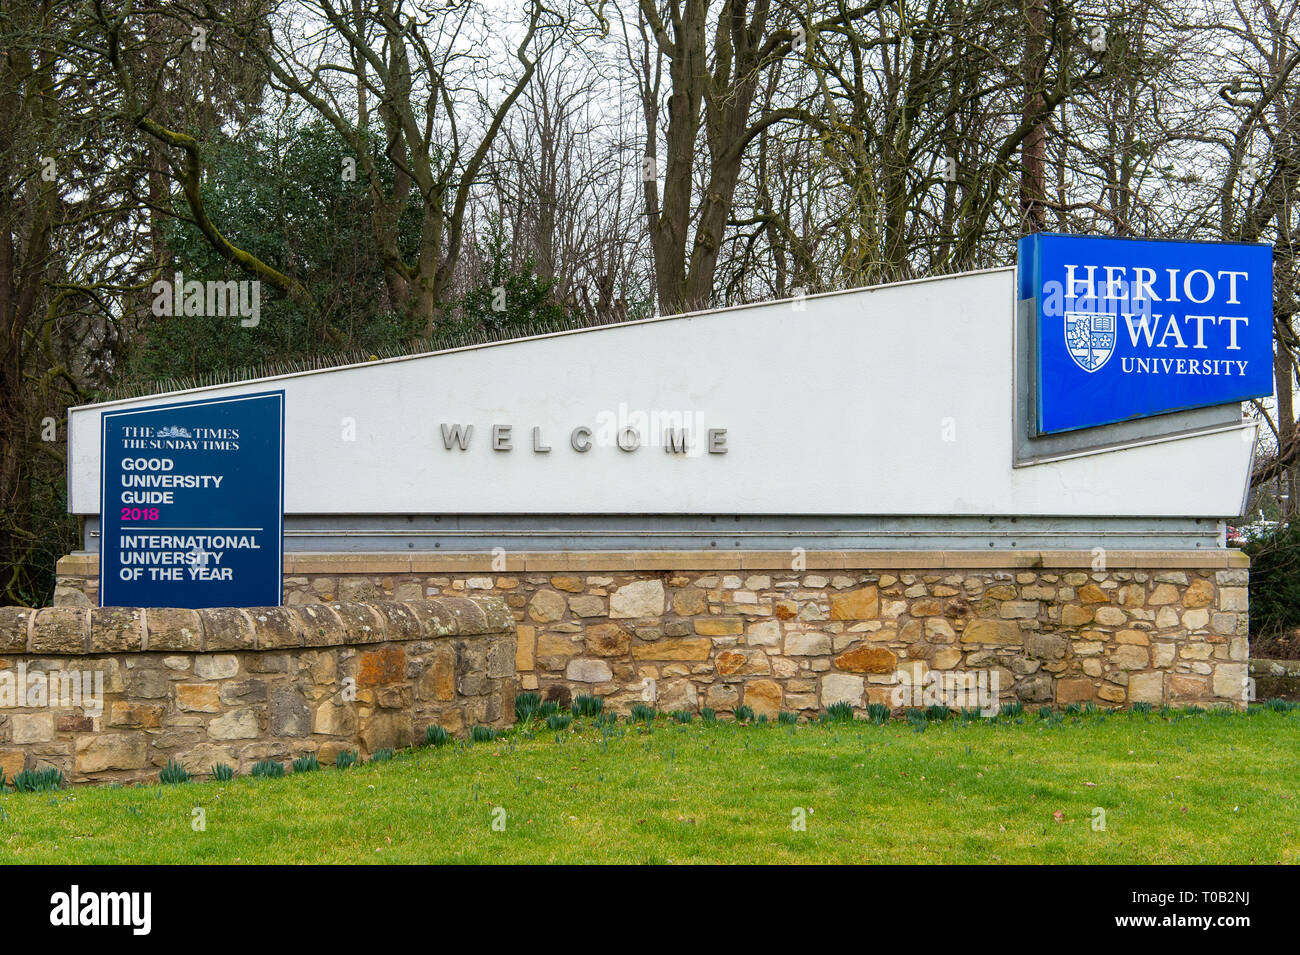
693,629
238,686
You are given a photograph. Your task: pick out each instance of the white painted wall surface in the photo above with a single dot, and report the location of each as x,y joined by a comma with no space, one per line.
842,407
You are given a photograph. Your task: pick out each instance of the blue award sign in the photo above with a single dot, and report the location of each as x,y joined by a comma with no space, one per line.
192,504
1129,328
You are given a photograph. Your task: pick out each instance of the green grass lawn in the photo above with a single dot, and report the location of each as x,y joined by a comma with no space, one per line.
1182,788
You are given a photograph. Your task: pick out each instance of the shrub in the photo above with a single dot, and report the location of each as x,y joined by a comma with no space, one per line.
526,706
173,773
606,719
937,713
681,716
1143,709
306,764
1013,710
268,769
640,713
381,755
558,721
587,705
786,718
709,714
222,773
482,734
345,759
548,708
38,780
435,735
1274,583
743,714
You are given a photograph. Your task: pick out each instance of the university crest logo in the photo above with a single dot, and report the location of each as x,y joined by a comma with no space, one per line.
1090,338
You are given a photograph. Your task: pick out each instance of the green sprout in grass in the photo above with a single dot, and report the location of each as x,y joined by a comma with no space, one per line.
526,706
173,773
838,713
38,780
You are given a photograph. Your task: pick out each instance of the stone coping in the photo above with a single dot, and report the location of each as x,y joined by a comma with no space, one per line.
83,564
1267,667
83,631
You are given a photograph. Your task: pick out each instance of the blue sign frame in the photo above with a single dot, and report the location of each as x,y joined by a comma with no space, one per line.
192,504
1131,328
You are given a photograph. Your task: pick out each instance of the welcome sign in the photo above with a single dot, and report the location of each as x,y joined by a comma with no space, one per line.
1127,328
192,504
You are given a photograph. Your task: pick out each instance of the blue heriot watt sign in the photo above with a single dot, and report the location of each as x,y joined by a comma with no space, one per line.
192,504
1129,328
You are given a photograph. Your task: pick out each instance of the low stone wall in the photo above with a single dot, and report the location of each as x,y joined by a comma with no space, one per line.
796,632
112,694
1276,679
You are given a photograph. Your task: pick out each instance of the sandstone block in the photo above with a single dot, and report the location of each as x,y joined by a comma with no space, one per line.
719,626
860,604
1002,632
842,688
866,659
763,697
586,670
1199,593
766,633
682,648
607,640
641,598
61,630
106,751
807,644
237,724
546,606
198,697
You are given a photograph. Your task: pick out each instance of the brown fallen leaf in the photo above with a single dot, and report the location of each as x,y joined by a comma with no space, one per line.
1058,816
